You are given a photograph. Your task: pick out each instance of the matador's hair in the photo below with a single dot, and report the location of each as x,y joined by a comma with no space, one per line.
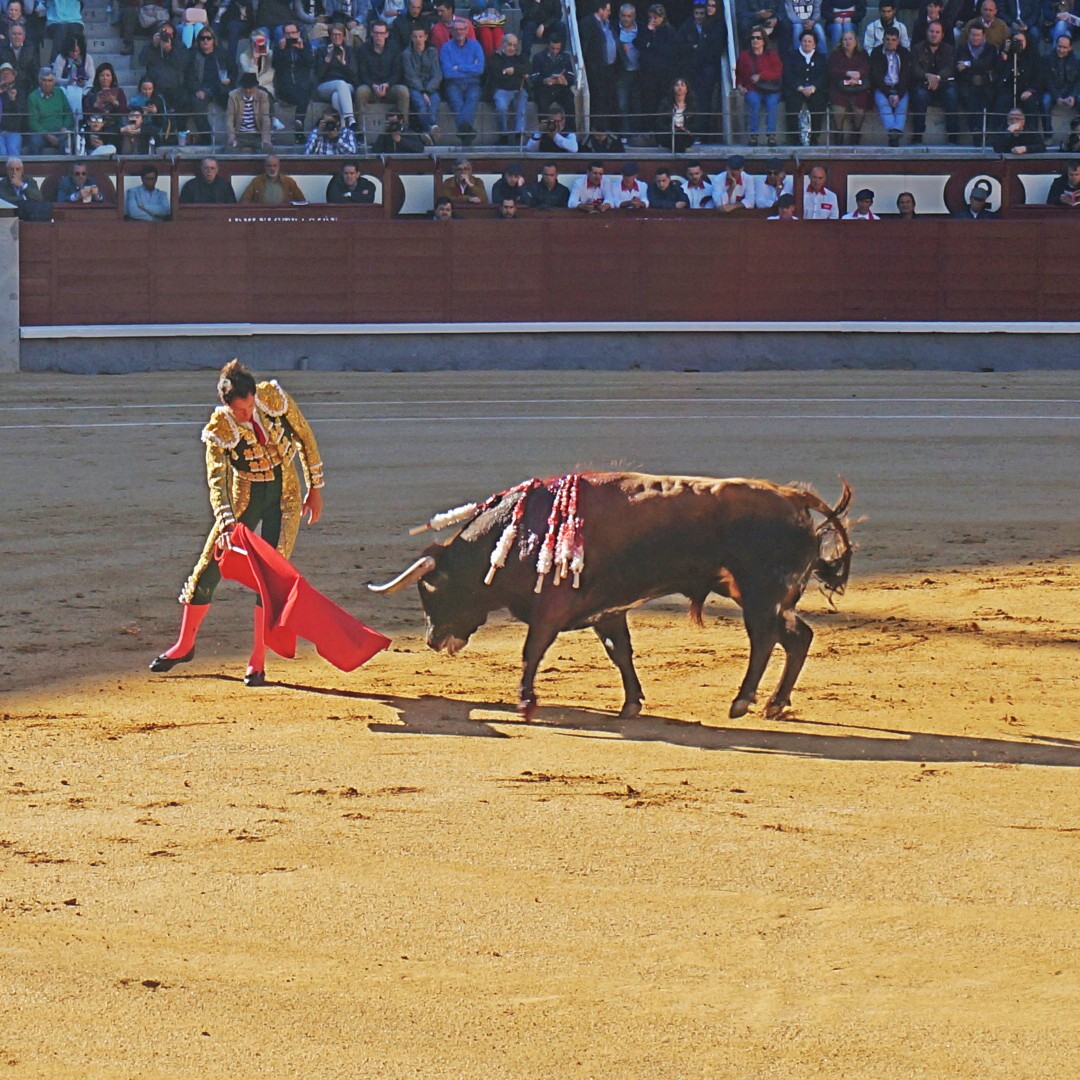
235,381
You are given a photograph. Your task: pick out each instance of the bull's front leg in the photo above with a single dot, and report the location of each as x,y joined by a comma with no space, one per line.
614,634
537,642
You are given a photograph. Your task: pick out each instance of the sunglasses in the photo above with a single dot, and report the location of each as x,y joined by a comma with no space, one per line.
205,37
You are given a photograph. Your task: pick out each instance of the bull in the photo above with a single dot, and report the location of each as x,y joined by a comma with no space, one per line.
620,540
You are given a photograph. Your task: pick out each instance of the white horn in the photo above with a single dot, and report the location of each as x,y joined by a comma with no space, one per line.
415,572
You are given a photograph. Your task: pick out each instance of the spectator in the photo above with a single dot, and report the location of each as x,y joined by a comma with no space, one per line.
16,187
334,75
135,133
23,59
247,116
49,123
63,18
553,77
423,79
146,202
933,73
155,112
506,76
1060,14
234,21
1069,145
805,15
209,81
105,96
272,13
511,185
589,193
601,143
806,81
96,138
1061,81
1016,139
489,22
819,203
553,135
79,186
759,75
658,45
350,15
273,187
994,29
874,35
294,72
677,121
394,139
463,188
930,11
547,193
699,189
539,20
905,206
976,209
976,66
74,70
628,70
773,183
761,15
444,209
666,193
890,71
414,18
734,189
507,209
331,138
1065,190
842,16
630,193
254,56
785,209
165,60
864,201
442,29
12,109
462,62
380,72
208,187
1019,85
599,52
849,88
349,186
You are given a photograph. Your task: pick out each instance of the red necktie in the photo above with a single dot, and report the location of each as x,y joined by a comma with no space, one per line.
259,433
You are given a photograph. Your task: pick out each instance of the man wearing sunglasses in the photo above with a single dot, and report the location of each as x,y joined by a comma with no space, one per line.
78,186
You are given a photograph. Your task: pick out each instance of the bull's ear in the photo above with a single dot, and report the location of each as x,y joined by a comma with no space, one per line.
433,582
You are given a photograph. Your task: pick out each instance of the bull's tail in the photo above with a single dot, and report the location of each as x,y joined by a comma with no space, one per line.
833,563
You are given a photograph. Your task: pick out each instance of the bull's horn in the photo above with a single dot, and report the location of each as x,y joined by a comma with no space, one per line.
415,572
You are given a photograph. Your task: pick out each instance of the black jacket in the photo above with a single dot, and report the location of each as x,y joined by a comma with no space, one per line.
336,192
879,69
197,190
384,67
800,72
543,198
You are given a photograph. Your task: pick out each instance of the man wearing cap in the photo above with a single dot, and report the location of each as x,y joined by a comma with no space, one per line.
864,200
665,193
733,189
1065,190
589,193
147,202
548,193
769,187
631,193
247,116
511,185
698,187
819,203
49,117
785,209
976,209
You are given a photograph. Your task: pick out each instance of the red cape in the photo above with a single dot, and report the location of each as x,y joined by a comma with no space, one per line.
292,608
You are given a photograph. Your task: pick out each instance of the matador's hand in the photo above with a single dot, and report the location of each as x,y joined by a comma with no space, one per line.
313,505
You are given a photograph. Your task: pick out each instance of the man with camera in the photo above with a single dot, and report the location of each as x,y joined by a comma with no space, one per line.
165,61
394,139
552,136
294,68
331,138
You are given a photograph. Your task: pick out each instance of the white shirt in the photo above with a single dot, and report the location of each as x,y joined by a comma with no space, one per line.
619,195
765,196
741,192
699,198
856,216
821,205
582,193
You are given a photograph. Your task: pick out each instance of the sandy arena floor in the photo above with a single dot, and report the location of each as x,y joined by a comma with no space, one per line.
388,874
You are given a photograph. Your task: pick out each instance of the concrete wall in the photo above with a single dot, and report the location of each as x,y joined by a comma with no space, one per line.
9,290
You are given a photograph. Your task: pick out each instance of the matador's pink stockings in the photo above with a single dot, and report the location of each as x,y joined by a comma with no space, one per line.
258,647
191,617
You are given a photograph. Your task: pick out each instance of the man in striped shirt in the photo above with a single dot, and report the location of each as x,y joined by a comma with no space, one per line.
247,116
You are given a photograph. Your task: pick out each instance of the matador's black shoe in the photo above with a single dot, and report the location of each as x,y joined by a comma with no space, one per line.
255,678
167,663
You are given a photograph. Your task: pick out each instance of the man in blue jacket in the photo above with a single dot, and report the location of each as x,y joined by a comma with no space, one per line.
462,62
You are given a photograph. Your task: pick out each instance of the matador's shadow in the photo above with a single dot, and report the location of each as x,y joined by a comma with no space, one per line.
433,715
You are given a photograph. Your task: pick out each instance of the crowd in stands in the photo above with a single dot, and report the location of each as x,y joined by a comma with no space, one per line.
996,68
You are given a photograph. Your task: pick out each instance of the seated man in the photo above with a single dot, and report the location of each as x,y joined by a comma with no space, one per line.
600,142
16,187
772,184
349,186
1071,143
933,70
1061,81
976,69
247,116
733,189
819,203
273,187
511,185
208,187
147,202
548,193
444,209
699,190
994,29
462,62
331,137
1016,139
631,193
864,201
1065,190
136,133
506,76
382,78
976,209
553,135
394,139
890,72
665,193
294,71
875,30
79,186
464,189
553,77
50,123
785,209
589,193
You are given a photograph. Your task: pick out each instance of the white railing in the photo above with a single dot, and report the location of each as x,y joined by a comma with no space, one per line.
581,91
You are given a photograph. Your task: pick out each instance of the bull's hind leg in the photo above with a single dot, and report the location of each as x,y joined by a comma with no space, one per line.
761,627
614,634
537,642
795,637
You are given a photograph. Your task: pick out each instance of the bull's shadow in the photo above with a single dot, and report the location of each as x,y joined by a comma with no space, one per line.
432,715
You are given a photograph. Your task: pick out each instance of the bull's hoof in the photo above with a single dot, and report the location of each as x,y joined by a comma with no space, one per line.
775,708
739,707
630,710
527,709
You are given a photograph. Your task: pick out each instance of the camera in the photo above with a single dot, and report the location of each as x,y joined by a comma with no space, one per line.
547,125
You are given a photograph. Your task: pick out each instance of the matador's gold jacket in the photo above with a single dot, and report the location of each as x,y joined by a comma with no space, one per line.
235,459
